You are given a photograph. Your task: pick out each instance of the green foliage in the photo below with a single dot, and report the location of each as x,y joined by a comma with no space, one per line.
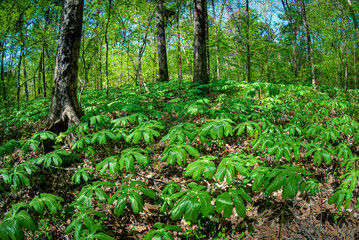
250,127
311,185
196,109
135,118
230,164
179,132
232,199
161,232
204,165
286,176
87,192
128,157
145,130
94,232
170,188
15,220
217,128
99,121
80,217
26,144
48,200
320,153
294,129
109,163
344,193
178,153
8,148
191,203
101,137
81,174
130,193
55,157
18,175
45,135
343,151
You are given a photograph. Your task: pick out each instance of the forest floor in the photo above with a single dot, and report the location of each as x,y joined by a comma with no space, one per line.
268,216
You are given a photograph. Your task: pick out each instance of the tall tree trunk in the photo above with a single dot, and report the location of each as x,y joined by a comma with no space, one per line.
19,77
25,78
161,44
179,42
2,72
216,39
65,110
287,11
355,70
345,49
188,63
309,42
207,37
200,73
248,44
106,41
43,69
100,65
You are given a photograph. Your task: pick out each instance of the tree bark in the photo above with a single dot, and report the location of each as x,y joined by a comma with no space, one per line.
2,72
248,44
161,44
106,41
200,74
25,78
216,39
179,43
65,110
43,69
309,42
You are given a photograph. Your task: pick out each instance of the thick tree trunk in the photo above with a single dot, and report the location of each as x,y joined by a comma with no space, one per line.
65,110
200,74
161,44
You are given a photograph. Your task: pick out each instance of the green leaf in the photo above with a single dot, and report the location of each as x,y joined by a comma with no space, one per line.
204,165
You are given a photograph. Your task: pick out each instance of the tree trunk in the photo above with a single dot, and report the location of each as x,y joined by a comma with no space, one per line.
2,73
207,37
65,110
355,70
309,42
43,69
100,65
188,63
200,74
25,78
161,44
106,41
179,43
248,44
19,77
216,39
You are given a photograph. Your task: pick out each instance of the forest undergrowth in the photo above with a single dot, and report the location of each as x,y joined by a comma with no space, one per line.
246,161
